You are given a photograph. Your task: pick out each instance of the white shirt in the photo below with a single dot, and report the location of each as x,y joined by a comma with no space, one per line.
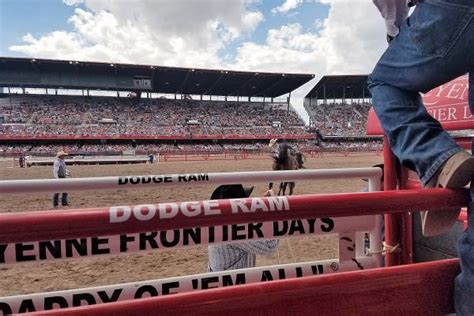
59,164
239,255
394,12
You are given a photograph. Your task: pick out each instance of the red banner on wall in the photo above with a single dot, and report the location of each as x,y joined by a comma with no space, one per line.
447,103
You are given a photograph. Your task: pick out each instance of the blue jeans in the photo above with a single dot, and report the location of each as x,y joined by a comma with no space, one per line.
434,46
64,201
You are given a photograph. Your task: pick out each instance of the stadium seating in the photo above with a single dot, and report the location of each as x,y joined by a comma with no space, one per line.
147,148
99,116
32,117
340,119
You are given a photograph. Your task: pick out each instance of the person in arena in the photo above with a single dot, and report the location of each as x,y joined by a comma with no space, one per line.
432,46
21,160
243,254
275,147
60,172
273,144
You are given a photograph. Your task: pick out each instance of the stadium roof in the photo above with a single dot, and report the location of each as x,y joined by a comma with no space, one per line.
340,87
64,74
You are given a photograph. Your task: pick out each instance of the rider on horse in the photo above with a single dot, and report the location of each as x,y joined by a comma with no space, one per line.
285,158
276,148
279,153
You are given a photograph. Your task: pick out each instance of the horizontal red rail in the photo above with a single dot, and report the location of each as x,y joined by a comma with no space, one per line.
68,224
416,289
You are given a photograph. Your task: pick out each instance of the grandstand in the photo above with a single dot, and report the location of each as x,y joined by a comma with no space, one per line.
91,108
88,108
36,117
338,108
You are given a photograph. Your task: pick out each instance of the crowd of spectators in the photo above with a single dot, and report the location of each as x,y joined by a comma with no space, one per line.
99,116
34,116
121,148
195,147
354,145
340,119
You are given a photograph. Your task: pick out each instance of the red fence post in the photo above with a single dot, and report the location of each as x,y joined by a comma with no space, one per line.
393,222
407,225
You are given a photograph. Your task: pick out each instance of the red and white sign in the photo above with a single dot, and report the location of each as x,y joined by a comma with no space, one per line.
447,103
169,286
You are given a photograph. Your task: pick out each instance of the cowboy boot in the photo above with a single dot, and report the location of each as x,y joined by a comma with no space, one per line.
456,173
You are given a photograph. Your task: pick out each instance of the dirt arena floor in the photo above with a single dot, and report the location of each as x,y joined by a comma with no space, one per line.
53,276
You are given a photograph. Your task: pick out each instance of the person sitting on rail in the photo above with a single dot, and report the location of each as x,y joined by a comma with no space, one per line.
243,254
431,47
438,35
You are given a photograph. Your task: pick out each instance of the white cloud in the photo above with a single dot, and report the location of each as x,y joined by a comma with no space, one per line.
348,41
288,5
171,33
73,2
192,33
54,44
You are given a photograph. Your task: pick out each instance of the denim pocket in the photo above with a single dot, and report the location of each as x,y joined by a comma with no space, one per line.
434,27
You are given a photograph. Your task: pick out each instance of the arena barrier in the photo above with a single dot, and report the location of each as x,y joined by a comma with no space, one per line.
84,160
200,156
321,207
172,180
250,155
417,289
21,234
99,243
27,227
211,156
167,286
44,248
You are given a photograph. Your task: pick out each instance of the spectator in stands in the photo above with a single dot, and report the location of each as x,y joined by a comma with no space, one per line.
237,255
100,116
437,36
60,172
347,144
340,119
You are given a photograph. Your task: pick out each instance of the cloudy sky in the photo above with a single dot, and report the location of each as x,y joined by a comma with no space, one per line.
301,36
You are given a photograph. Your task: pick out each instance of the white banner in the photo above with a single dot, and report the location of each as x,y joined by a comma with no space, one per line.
173,180
160,240
136,290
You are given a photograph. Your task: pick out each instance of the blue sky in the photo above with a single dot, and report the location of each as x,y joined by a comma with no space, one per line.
306,15
39,17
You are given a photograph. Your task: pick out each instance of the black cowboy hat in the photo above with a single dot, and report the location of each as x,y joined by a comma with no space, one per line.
231,191
381,166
